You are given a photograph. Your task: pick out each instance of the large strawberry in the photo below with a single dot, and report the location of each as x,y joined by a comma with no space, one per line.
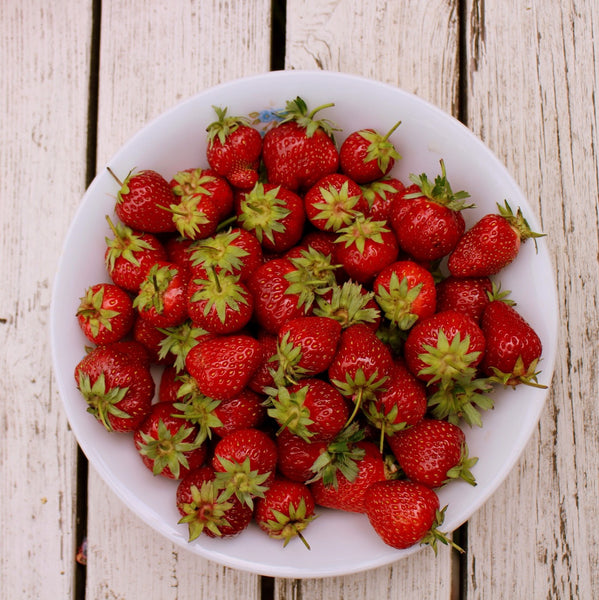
469,295
234,149
117,389
299,150
490,244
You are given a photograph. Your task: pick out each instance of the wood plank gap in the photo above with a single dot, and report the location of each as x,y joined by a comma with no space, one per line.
278,35
267,588
460,563
462,61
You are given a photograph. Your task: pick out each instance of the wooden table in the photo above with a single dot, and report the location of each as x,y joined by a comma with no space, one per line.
80,77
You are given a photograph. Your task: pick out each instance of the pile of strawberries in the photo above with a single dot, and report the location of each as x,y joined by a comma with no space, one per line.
322,330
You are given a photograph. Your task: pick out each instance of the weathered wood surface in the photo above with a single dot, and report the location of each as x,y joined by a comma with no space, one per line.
524,77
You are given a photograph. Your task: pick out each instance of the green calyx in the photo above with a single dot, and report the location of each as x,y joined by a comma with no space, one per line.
124,245
520,374
92,311
290,412
239,479
337,208
440,191
462,469
191,183
380,187
223,126
518,222
433,536
348,304
218,252
297,110
263,212
288,357
289,524
199,410
362,229
221,293
102,402
386,423
189,216
153,288
179,341
397,301
380,148
123,185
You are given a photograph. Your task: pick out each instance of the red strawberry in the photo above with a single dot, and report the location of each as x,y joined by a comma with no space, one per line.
299,150
151,337
169,385
404,513
380,195
349,494
143,201
195,216
285,511
490,244
240,412
444,347
274,215
223,365
296,455
513,347
133,349
406,292
105,313
198,501
262,379
178,251
469,295
118,389
245,461
167,443
333,201
129,255
321,241
234,149
433,452
162,295
365,248
366,155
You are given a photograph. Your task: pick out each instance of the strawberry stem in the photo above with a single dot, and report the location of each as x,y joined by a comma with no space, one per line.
388,134
318,108
114,176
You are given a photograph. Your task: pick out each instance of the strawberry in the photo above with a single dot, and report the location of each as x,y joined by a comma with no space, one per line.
223,365
275,215
178,251
285,511
380,195
296,455
349,494
513,346
201,508
195,216
133,350
433,452
490,244
430,224
469,295
167,443
366,155
364,248
333,201
321,241
404,513
130,254
444,347
244,410
151,337
406,292
234,149
105,313
299,150
118,389
178,341
262,379
169,385
245,462
162,295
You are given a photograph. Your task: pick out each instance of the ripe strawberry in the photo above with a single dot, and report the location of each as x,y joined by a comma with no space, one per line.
105,313
129,255
444,347
234,149
406,292
133,350
296,455
223,365
195,216
299,150
380,195
365,248
468,295
167,442
178,251
274,215
321,241
244,410
169,385
143,200
162,295
404,513
118,389
198,501
245,461
285,511
490,244
433,452
333,201
349,494
151,337
262,379
430,225
513,347
366,155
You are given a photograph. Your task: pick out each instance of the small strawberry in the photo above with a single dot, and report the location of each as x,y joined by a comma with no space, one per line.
380,195
244,410
513,346
406,292
333,202
404,513
143,200
201,508
321,241
490,244
105,313
299,150
433,452
178,251
151,337
262,379
169,385
285,511
469,295
234,149
245,462
118,389
195,216
133,350
366,155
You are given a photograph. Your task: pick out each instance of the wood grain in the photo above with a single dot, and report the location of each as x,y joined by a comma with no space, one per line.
43,91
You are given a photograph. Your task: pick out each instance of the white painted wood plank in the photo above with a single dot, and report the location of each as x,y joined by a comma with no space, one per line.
44,54
413,45
152,58
534,84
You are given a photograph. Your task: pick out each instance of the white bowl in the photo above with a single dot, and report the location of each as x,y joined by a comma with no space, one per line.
341,543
